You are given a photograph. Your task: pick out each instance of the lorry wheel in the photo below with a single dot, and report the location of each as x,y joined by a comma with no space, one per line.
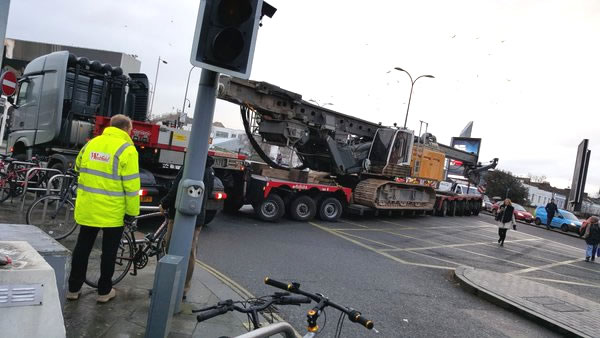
467,208
477,209
451,210
443,209
303,208
459,208
271,209
330,209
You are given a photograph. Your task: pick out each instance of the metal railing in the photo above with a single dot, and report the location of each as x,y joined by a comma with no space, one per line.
282,327
26,187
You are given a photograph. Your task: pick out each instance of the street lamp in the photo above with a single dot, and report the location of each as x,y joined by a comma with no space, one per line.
156,79
185,95
412,83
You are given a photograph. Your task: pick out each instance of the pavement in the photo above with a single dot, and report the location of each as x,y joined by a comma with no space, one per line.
126,315
565,312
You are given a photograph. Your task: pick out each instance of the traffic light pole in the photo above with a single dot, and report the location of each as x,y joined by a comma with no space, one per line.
170,283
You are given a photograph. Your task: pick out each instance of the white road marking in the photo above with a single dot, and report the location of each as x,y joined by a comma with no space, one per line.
547,266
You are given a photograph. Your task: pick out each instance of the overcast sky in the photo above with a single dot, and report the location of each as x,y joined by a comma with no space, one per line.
525,71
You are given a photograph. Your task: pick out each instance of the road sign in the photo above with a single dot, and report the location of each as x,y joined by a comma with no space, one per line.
8,81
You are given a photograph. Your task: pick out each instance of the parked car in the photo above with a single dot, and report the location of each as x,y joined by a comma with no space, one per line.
520,213
563,219
487,204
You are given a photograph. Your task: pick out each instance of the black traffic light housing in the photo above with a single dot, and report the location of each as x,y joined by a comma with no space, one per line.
226,35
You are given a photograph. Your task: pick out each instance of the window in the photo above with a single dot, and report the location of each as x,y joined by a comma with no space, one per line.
29,90
222,134
233,136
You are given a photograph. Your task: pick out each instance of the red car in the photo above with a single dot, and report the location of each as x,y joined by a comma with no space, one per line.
520,213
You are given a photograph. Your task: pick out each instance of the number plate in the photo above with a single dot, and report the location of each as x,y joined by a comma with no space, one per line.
145,199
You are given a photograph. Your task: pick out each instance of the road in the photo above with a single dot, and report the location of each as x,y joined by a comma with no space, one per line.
398,270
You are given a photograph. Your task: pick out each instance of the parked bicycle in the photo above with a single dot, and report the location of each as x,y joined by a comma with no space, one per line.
254,306
134,251
54,213
14,175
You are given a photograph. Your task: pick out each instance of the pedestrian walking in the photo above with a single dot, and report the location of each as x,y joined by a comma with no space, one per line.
590,231
167,205
107,199
505,218
551,209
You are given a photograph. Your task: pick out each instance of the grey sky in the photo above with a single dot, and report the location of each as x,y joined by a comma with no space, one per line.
525,71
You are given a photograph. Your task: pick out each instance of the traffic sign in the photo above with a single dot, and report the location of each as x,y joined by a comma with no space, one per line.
8,81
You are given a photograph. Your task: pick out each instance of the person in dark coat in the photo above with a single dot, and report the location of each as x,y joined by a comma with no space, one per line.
505,218
551,209
167,205
591,233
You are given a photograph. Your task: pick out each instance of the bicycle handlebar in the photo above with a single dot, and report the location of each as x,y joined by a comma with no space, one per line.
229,305
353,315
208,314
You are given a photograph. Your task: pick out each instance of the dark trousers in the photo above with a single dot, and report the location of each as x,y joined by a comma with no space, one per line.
111,237
502,234
549,219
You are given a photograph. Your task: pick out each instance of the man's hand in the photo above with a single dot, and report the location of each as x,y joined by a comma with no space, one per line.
161,209
128,220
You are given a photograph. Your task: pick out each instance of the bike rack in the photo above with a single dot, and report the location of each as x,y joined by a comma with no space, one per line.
26,187
269,330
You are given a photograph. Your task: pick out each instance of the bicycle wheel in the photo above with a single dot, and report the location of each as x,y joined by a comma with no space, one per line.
125,256
5,187
53,214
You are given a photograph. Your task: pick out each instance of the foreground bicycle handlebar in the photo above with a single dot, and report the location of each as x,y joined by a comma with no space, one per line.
322,302
258,305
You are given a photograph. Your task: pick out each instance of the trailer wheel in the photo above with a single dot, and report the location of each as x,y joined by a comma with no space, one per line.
271,209
330,209
459,208
443,209
451,210
477,209
303,208
467,208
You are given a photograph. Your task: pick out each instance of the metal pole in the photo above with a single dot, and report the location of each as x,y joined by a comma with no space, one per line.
155,79
4,7
412,84
185,96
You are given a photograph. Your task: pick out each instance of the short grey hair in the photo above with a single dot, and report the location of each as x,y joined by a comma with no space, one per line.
121,121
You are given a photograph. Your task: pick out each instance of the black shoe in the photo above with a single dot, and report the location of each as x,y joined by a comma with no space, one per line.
499,240
592,259
502,243
587,259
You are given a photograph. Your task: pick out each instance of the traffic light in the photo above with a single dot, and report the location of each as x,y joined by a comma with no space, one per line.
226,34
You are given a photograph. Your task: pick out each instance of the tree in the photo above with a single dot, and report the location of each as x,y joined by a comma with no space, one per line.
503,184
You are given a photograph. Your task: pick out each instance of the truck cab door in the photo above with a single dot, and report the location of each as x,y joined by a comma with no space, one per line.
27,104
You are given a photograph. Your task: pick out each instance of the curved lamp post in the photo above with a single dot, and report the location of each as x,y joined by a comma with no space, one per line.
156,79
412,84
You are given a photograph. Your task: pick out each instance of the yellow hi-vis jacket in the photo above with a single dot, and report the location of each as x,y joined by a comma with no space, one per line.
109,180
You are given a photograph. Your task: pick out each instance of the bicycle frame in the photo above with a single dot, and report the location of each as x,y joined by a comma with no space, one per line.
149,245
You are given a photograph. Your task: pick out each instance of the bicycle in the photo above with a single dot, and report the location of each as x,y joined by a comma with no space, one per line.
132,251
54,213
312,315
12,180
